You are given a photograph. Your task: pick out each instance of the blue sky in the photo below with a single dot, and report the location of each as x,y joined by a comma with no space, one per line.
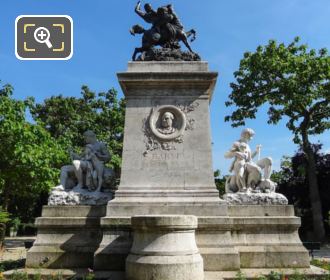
226,29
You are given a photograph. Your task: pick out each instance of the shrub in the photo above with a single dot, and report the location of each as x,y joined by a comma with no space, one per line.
4,218
10,265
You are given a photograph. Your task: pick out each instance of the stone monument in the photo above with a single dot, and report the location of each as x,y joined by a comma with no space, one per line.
167,170
167,181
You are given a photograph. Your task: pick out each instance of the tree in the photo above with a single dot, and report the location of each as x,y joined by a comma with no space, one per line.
67,118
32,152
220,182
292,182
293,82
30,158
4,218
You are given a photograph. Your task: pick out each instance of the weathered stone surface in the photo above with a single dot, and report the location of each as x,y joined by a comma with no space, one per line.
250,198
161,175
68,237
78,196
167,66
167,163
176,164
266,236
164,248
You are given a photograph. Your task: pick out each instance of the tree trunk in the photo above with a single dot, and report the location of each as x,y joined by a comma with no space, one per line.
318,223
5,201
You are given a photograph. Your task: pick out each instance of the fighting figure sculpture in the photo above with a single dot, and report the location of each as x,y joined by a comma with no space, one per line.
166,31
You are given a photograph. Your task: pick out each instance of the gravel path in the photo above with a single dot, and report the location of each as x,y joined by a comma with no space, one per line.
14,248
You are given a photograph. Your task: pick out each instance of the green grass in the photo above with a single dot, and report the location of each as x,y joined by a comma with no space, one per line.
322,264
296,276
12,265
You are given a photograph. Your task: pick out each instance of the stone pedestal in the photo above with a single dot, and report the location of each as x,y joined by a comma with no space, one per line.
164,248
68,237
267,236
250,198
165,171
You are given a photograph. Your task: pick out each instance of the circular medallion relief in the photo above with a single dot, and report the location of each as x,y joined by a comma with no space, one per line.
167,122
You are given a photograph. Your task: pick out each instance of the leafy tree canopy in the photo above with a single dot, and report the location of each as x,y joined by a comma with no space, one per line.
294,83
293,183
220,182
292,80
34,150
30,158
67,118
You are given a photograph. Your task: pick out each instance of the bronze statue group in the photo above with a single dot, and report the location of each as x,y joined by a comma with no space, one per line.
166,31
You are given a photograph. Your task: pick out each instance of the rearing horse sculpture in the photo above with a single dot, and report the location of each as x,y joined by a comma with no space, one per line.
151,39
166,31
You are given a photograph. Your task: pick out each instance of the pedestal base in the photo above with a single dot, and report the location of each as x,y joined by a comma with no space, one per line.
68,237
245,237
164,248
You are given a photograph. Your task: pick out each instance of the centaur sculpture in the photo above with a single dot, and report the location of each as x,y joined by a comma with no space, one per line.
167,32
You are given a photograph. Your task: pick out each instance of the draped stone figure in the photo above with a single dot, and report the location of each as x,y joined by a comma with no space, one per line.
247,174
87,170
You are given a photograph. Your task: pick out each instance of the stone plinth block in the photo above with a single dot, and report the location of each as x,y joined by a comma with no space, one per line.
241,198
68,237
267,236
164,248
78,196
167,155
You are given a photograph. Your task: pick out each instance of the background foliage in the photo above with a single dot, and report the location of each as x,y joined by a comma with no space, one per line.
293,82
67,118
293,183
34,149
